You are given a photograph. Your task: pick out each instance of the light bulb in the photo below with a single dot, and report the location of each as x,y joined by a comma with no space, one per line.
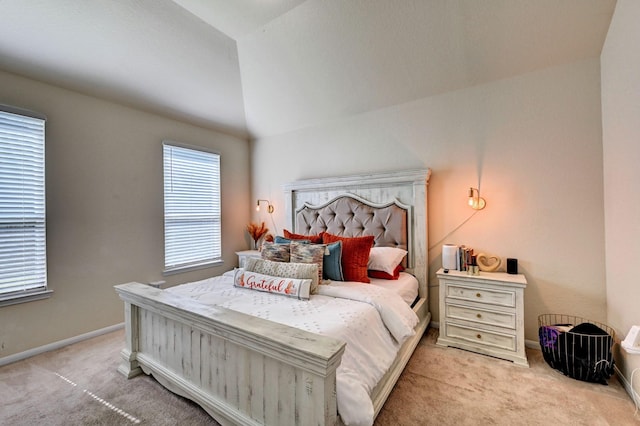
475,201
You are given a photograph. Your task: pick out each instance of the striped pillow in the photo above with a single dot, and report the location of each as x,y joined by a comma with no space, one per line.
308,253
275,252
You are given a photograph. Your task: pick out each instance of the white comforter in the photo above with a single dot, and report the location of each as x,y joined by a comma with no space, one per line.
373,321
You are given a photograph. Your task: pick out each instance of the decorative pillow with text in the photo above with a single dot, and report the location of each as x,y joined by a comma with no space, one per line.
291,287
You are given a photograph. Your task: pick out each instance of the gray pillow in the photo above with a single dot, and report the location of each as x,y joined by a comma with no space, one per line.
285,270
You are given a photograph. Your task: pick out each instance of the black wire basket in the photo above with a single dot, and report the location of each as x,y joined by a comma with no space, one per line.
578,347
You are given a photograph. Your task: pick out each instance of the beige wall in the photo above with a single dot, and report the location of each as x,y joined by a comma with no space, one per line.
104,208
533,144
621,135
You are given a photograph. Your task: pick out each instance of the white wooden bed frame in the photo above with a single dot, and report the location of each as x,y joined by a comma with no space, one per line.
250,371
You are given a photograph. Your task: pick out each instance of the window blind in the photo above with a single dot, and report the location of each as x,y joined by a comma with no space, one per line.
23,262
192,231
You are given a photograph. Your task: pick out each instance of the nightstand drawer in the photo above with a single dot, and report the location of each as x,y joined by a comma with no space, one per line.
481,316
481,295
483,337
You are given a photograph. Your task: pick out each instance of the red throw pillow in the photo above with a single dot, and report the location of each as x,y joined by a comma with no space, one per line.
355,255
315,239
384,275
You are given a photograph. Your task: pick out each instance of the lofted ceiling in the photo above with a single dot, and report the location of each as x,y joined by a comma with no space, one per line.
256,68
237,18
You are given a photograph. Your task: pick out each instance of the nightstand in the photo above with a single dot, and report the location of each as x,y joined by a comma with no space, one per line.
244,255
483,313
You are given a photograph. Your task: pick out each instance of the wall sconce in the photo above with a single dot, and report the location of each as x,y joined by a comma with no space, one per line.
269,206
475,201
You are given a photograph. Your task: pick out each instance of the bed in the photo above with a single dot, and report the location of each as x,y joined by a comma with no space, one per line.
243,369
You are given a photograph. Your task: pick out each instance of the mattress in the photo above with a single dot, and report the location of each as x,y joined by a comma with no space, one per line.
406,286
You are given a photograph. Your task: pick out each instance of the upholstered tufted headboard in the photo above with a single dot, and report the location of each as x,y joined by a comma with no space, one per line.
351,216
391,206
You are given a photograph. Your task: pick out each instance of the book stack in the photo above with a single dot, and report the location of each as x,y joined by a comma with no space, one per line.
465,258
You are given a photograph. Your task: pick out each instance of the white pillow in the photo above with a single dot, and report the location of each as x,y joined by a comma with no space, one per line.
385,258
291,287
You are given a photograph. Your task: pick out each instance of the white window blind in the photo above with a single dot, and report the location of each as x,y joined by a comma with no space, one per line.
23,262
192,231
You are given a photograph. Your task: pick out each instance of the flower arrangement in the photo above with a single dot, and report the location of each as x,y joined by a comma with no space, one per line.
256,231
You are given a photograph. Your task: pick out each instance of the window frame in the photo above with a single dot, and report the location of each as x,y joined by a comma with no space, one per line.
216,214
41,289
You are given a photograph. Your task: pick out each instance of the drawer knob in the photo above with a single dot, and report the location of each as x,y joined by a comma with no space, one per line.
479,315
479,336
478,295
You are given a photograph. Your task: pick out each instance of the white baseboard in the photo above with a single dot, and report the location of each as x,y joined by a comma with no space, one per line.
626,384
434,324
532,344
59,344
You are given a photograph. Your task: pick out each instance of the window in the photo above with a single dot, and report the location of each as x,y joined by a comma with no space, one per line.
192,235
23,260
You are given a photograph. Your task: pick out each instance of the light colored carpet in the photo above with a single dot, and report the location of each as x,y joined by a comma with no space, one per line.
447,386
79,385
